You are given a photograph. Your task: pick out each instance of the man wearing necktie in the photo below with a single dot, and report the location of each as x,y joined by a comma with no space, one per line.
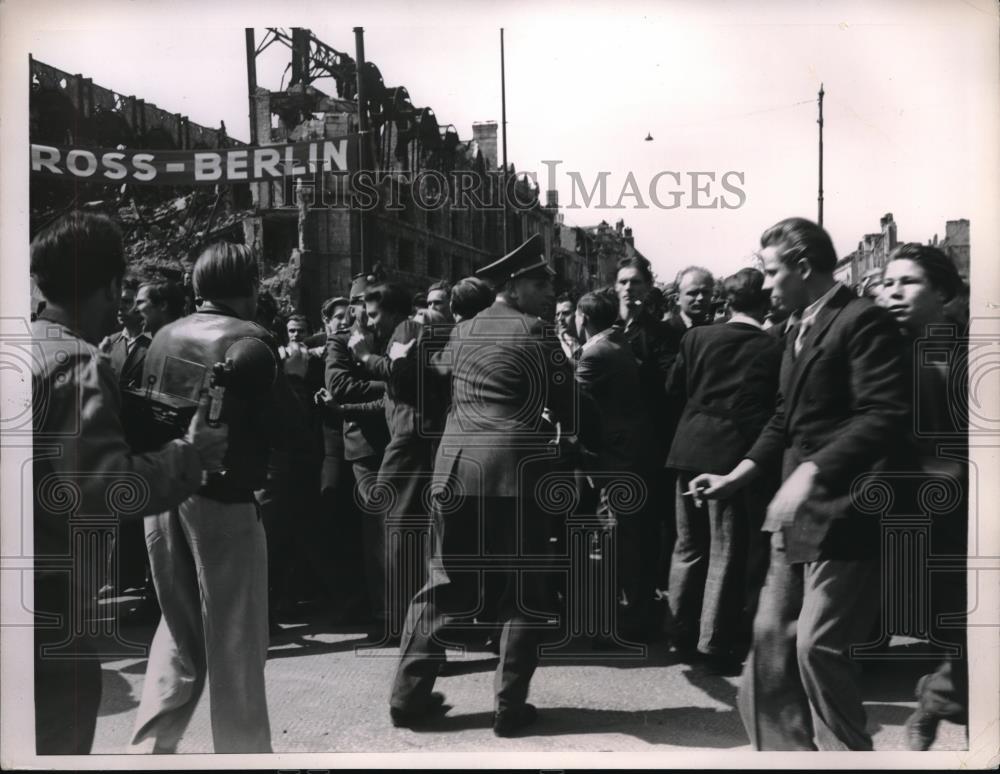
842,408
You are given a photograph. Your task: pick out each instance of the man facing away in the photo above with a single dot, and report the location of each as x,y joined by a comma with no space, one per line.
726,378
495,450
77,264
209,554
841,410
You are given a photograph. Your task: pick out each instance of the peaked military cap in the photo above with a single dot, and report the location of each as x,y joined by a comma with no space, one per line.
528,260
366,279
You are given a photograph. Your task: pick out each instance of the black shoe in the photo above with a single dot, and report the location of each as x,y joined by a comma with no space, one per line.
510,720
434,708
921,728
686,655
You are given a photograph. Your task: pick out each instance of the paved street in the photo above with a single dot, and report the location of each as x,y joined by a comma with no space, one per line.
327,692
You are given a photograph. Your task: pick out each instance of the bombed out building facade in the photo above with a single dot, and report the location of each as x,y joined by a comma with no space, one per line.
428,205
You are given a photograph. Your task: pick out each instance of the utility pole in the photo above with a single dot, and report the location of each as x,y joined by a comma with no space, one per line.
359,45
820,122
503,128
252,83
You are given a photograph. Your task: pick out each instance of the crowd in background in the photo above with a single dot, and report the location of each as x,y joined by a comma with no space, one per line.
679,388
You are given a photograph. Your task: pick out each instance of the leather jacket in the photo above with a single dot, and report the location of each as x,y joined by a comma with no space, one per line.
177,367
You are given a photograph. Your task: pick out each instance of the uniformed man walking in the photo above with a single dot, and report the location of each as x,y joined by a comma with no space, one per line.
506,369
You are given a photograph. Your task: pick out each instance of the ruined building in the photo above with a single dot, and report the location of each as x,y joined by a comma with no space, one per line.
860,266
405,147
436,212
164,226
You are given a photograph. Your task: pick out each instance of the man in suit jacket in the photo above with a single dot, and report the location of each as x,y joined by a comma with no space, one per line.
506,369
694,299
414,411
126,349
608,376
648,538
726,377
366,434
841,411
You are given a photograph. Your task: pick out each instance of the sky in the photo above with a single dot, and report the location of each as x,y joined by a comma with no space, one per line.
910,110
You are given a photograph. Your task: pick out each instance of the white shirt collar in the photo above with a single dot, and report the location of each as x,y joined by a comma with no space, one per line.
688,322
739,317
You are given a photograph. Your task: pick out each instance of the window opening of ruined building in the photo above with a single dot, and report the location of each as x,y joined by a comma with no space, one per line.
405,258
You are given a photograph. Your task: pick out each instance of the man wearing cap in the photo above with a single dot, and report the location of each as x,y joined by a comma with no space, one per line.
366,433
506,369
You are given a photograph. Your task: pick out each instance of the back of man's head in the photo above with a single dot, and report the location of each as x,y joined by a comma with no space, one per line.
600,308
798,238
78,254
744,292
470,296
225,270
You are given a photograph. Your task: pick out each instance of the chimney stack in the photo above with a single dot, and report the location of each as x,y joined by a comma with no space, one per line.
552,199
485,135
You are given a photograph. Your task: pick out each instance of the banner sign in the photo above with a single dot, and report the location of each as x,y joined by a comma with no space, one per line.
194,167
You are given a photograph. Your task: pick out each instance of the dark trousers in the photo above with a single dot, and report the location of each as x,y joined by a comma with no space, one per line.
67,681
644,541
405,473
800,689
708,571
372,532
945,692
452,593
344,559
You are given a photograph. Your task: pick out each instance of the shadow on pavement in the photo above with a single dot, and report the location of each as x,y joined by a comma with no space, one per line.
700,727
116,693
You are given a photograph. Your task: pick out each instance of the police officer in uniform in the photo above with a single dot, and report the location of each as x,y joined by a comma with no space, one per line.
506,368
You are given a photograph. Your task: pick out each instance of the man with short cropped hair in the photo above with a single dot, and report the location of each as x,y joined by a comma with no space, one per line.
726,379
126,349
77,264
439,299
842,412
695,286
209,554
569,334
649,535
159,302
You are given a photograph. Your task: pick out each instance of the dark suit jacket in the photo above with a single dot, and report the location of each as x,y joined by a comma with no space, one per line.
608,376
127,363
843,404
505,367
655,344
365,432
416,398
726,377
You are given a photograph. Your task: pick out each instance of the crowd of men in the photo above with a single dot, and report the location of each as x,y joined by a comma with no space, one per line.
744,412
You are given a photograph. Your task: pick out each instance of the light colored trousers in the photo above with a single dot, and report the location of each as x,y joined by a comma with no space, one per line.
209,566
800,689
